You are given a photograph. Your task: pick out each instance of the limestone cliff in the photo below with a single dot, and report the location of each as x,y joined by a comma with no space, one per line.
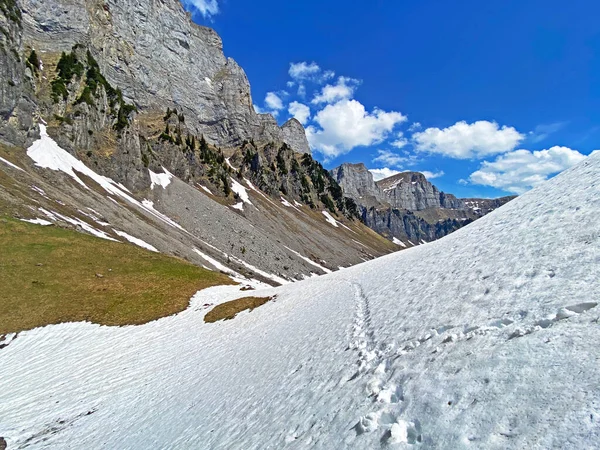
159,58
407,206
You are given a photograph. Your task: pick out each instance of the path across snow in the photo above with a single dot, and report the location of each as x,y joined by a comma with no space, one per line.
487,338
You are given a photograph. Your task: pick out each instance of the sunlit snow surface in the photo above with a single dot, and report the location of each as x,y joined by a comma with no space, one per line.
487,338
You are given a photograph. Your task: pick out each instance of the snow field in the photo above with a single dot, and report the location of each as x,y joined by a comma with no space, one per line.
486,338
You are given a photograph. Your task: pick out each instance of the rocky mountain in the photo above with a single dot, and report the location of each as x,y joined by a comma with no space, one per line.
126,119
407,207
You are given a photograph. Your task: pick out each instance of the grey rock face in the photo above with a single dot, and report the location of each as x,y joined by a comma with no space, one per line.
16,82
412,191
294,135
159,58
407,206
356,181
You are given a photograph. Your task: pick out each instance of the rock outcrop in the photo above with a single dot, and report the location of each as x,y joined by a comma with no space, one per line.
412,191
407,206
159,58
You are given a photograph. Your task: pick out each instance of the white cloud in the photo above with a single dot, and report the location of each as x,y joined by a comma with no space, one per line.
308,72
346,125
342,90
541,132
521,170
464,141
432,175
291,84
381,174
401,142
273,101
304,70
390,158
414,127
205,7
300,111
259,110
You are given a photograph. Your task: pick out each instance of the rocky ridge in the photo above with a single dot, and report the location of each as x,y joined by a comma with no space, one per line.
407,206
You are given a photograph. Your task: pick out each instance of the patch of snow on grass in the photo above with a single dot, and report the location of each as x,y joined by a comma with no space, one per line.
42,222
162,179
330,219
205,189
229,164
239,206
399,242
40,191
46,153
240,191
11,164
310,261
136,241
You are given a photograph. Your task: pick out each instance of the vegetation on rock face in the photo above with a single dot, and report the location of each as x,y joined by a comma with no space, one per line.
51,275
33,61
69,67
11,10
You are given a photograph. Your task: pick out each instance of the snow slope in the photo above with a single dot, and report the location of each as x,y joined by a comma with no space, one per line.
487,338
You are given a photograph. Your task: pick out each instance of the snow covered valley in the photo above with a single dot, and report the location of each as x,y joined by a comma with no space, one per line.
487,338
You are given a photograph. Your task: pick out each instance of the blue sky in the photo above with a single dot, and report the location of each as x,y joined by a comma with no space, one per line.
488,98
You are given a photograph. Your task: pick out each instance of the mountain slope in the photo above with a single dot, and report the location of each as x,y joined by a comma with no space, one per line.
486,338
406,207
126,119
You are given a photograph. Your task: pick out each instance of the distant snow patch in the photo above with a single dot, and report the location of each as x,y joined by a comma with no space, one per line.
162,179
42,222
53,215
229,164
46,153
309,261
240,191
136,241
330,219
40,191
286,203
11,164
239,206
399,242
207,190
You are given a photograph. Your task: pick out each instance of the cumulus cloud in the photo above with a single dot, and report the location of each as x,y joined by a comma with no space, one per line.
415,127
401,141
299,111
342,90
381,174
205,7
390,158
432,175
304,71
347,124
273,101
520,170
465,141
